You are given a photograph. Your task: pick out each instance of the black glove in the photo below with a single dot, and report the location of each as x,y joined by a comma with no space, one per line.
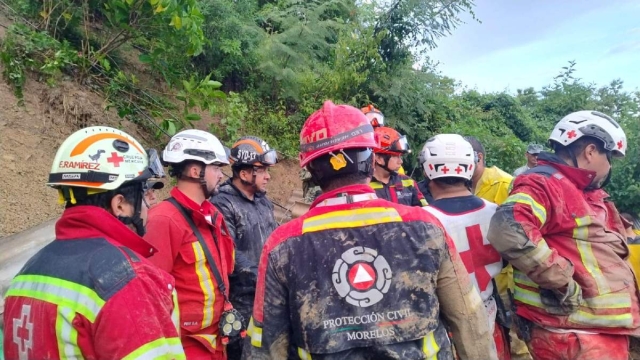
562,303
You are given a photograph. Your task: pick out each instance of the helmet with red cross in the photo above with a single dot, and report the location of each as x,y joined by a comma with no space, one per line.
447,155
590,124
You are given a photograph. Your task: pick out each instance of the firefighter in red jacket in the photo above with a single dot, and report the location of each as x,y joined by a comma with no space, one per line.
359,277
575,295
91,293
387,182
195,158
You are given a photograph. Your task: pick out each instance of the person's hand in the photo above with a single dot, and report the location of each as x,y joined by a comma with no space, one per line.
562,302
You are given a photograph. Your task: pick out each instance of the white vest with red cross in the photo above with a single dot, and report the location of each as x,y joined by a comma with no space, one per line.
469,232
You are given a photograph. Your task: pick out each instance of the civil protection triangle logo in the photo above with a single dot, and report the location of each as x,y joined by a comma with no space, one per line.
361,276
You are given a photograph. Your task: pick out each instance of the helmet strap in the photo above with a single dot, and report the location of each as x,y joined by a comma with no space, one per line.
385,166
136,220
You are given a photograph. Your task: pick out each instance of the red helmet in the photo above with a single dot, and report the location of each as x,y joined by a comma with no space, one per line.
334,128
374,115
391,142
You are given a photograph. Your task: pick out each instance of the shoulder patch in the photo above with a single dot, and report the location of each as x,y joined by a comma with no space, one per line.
544,170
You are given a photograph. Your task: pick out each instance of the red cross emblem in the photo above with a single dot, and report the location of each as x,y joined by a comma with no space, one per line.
430,166
458,170
484,254
115,159
445,169
571,134
23,332
620,144
362,276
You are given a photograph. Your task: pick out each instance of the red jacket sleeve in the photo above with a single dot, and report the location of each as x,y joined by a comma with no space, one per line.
166,236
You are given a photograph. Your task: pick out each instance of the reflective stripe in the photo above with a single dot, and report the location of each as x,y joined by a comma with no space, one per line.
67,335
604,320
175,314
255,333
64,293
581,231
610,301
423,202
206,284
588,258
304,355
162,348
430,347
211,339
538,210
376,185
350,219
407,183
521,278
528,297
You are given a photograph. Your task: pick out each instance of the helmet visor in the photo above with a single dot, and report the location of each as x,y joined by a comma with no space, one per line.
155,166
401,145
375,118
268,158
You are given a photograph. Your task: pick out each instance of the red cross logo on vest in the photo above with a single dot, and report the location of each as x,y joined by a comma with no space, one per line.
23,332
362,276
484,254
115,159
571,134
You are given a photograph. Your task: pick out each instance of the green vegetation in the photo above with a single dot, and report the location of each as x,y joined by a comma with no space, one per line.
262,66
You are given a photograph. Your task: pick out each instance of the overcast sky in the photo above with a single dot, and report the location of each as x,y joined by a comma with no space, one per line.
526,43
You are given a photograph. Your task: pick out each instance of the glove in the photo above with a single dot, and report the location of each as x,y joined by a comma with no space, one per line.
562,303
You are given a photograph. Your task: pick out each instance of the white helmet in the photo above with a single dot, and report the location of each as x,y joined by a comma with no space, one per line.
447,155
102,158
195,145
590,123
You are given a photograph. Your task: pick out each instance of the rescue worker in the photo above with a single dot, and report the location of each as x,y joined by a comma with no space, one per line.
376,118
465,218
87,293
248,214
386,181
575,294
359,277
200,257
150,195
532,159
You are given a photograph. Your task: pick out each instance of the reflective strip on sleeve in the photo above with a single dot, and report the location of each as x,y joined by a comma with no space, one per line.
159,349
540,253
376,185
581,231
520,278
538,210
350,219
255,333
206,284
602,320
175,314
430,347
610,301
63,293
304,355
527,297
67,335
423,202
407,183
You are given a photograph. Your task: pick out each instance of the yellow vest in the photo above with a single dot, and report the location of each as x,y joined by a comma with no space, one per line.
634,260
493,186
401,171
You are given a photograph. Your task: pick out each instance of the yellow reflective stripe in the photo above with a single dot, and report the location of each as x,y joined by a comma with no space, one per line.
538,210
65,293
609,301
591,264
66,334
162,348
521,278
255,333
407,183
350,219
376,185
540,253
581,231
175,314
304,355
604,320
528,297
430,347
423,202
211,339
206,284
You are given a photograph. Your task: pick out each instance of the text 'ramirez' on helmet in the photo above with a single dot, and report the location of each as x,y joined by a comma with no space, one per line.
334,128
102,158
251,150
447,155
195,145
590,123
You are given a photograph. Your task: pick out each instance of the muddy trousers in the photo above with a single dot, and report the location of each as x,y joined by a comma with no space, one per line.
547,345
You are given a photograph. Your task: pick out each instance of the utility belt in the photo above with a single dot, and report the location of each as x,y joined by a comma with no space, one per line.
231,321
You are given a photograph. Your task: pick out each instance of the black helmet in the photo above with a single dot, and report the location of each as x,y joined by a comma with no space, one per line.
252,151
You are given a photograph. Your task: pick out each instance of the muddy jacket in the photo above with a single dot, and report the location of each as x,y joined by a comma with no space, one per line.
401,189
179,253
250,222
91,294
552,229
360,278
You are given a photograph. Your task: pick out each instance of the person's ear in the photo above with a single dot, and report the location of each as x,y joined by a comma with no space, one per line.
118,205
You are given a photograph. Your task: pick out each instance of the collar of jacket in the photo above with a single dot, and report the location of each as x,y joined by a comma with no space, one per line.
350,190
580,177
228,187
393,179
85,222
206,208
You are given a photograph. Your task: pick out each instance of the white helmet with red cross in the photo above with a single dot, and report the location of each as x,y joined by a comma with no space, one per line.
447,155
590,123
